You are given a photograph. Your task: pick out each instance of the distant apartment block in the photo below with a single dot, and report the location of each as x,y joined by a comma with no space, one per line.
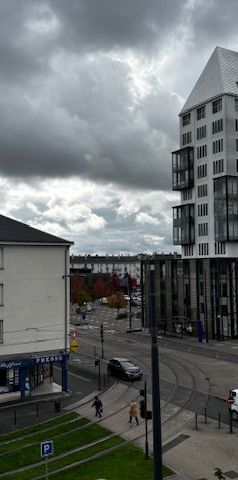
108,264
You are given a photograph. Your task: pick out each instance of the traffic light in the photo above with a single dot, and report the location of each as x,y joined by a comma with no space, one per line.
142,408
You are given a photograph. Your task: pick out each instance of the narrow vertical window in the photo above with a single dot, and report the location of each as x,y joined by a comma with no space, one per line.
1,258
1,294
1,331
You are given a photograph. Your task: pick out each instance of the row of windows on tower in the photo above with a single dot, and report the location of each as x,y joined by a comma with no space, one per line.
201,111
217,127
203,249
202,229
218,167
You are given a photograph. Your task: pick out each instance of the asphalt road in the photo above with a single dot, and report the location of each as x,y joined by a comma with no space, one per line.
210,376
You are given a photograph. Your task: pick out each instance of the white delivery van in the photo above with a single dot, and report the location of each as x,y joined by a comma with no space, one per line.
234,406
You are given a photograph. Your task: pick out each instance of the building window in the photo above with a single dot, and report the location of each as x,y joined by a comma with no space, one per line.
237,164
236,125
201,112
237,144
202,190
1,258
202,209
201,151
1,331
217,105
217,146
217,126
220,248
203,249
202,170
202,229
201,132
1,294
236,104
186,119
188,250
186,138
187,194
218,166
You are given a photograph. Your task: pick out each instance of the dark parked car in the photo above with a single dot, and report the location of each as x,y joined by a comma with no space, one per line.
124,368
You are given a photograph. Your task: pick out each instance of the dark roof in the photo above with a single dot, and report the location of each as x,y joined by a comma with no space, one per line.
104,259
12,231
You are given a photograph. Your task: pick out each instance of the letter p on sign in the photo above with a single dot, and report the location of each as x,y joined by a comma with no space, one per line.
47,448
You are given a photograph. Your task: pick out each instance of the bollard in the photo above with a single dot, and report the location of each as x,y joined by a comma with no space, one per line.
205,415
15,417
37,410
219,420
196,421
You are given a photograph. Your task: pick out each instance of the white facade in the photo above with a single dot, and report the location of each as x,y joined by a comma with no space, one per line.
108,264
33,309
209,132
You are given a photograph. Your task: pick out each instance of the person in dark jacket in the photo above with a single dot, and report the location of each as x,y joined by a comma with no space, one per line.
98,406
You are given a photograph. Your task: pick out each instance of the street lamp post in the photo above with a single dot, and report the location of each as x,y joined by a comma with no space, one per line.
157,439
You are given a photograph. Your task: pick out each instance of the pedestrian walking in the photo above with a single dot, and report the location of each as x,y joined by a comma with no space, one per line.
98,406
133,412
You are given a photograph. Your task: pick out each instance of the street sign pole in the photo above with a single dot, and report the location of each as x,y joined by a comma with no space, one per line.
46,449
46,468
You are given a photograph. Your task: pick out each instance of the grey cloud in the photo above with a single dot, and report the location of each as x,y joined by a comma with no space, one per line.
214,22
134,24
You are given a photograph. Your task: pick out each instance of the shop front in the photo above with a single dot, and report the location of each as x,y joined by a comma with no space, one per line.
25,374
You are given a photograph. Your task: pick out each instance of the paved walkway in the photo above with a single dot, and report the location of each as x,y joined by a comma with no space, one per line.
192,454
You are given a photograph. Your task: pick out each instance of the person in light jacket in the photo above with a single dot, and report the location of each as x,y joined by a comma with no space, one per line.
133,412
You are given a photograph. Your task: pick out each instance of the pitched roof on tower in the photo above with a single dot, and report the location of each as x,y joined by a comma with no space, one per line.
219,77
14,232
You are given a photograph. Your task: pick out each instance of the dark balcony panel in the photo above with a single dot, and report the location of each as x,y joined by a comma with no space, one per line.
226,208
183,168
183,224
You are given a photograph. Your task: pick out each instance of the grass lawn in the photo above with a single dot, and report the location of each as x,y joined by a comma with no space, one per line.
69,417
125,463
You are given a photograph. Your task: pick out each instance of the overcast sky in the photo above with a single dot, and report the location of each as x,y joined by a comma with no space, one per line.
90,92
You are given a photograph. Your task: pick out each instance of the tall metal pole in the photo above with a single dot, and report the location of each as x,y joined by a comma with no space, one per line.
146,424
129,294
157,438
142,292
102,338
205,292
65,376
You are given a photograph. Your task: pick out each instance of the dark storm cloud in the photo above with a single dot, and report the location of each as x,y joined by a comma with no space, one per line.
68,104
104,25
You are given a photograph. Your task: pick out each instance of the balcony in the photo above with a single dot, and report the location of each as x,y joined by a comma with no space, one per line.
183,224
183,168
226,208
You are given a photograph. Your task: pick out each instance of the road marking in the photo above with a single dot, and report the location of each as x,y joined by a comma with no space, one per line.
75,375
79,376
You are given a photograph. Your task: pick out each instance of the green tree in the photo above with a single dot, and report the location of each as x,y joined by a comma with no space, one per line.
117,301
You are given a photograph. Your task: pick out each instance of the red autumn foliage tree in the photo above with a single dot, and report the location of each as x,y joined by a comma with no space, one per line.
100,288
117,301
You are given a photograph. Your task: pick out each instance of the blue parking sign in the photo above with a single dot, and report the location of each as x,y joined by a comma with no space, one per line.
47,448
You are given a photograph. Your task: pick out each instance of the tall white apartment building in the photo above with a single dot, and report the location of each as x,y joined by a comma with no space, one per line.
205,171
